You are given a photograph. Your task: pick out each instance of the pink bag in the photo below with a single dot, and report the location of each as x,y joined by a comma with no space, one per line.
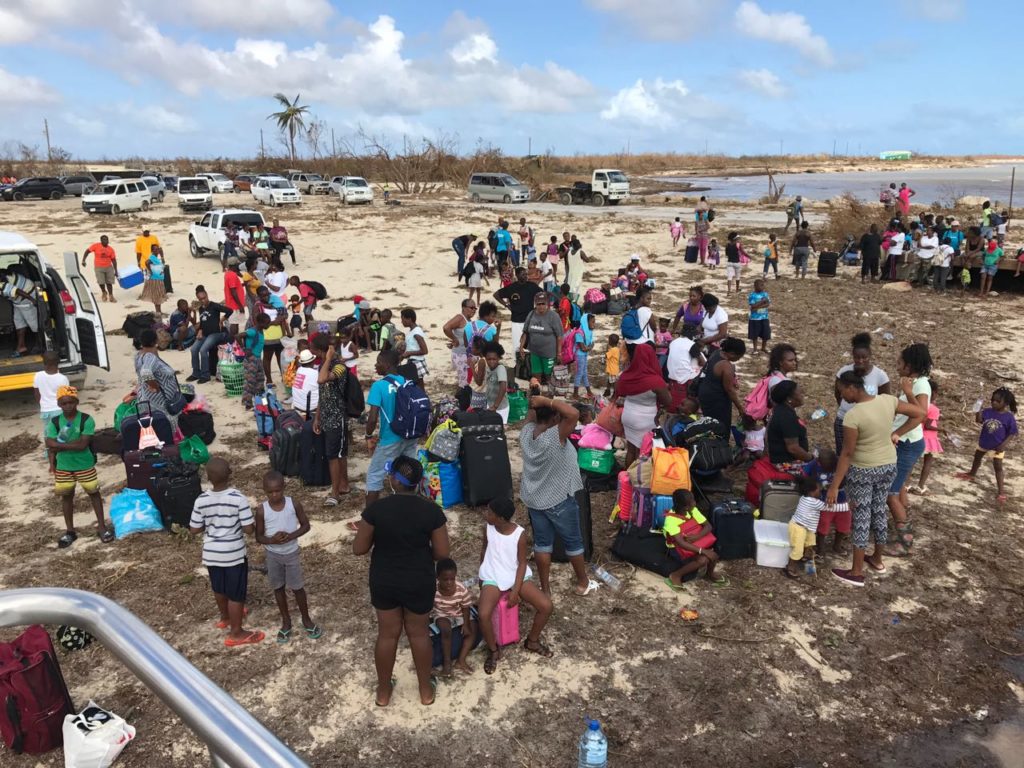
610,418
594,296
505,621
595,436
147,434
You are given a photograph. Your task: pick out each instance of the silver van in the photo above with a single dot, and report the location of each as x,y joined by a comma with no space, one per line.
498,187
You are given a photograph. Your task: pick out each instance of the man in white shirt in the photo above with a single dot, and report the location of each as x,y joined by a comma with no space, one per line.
927,248
942,266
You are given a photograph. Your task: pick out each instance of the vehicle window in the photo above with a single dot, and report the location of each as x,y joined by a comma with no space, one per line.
476,180
216,221
120,190
81,289
245,220
356,183
193,186
206,220
601,176
497,181
617,177
279,184
510,181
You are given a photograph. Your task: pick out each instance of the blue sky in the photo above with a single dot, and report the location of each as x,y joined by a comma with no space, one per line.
192,77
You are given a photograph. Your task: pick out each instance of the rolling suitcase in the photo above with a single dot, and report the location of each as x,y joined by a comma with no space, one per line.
778,500
175,492
142,467
483,454
691,253
284,444
586,528
131,427
313,466
732,522
827,262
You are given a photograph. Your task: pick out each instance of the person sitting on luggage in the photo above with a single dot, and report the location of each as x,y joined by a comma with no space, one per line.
824,469
503,569
689,538
452,602
181,326
803,525
753,438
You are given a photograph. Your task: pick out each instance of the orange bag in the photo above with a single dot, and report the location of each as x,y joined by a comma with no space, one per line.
671,471
610,419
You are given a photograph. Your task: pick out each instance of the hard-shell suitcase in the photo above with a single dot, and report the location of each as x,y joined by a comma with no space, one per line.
284,444
131,427
732,522
175,493
586,529
142,467
778,500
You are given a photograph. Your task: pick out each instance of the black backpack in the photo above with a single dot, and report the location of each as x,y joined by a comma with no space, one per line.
81,425
355,403
318,289
711,214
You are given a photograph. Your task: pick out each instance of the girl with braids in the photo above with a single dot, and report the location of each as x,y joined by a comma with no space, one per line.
998,428
782,364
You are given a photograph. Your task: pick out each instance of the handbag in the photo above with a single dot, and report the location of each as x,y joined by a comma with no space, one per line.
193,450
445,441
522,366
147,434
670,471
168,286
610,419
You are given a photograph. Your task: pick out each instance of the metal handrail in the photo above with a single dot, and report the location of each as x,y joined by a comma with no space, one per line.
234,737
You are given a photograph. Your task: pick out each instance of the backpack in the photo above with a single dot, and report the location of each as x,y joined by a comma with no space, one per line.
355,403
575,314
35,698
569,346
791,209
412,410
757,404
318,289
630,326
81,425
711,214
266,408
344,322
469,270
994,219
478,330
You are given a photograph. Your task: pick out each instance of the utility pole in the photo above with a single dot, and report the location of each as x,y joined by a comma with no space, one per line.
46,132
780,147
263,152
334,149
529,146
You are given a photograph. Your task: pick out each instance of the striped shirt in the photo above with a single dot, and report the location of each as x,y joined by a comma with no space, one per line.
450,606
222,514
808,512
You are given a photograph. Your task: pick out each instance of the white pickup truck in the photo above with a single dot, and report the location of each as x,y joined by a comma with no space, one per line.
208,234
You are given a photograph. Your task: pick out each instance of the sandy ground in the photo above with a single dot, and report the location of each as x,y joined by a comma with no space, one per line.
773,674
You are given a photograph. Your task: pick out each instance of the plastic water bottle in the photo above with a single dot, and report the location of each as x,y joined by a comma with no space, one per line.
818,414
956,441
977,405
613,582
809,568
593,747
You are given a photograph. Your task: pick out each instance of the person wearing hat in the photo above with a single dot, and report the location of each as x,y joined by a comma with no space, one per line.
305,386
794,213
404,534
67,439
234,294
144,246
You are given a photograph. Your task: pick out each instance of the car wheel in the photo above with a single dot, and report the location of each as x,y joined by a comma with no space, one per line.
56,195
507,199
273,202
220,252
19,196
115,209
597,200
145,205
193,247
565,198
236,190
160,197
475,198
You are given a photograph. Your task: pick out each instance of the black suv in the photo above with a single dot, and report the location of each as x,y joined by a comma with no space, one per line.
36,186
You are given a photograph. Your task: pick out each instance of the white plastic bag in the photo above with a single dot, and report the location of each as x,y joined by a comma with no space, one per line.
94,737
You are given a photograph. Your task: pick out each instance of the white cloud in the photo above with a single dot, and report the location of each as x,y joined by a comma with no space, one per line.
475,48
790,29
660,19
15,28
21,90
84,126
936,10
241,15
763,81
646,104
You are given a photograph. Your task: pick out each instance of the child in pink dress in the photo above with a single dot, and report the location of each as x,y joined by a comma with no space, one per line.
932,445
676,229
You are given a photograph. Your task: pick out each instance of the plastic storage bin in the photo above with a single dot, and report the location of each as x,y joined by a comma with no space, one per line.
772,543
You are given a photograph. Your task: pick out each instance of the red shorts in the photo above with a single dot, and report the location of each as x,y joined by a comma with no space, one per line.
843,521
679,393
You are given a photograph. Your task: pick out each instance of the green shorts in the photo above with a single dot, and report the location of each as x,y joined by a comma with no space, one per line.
541,365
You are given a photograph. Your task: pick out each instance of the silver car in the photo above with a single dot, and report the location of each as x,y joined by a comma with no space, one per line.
78,185
498,187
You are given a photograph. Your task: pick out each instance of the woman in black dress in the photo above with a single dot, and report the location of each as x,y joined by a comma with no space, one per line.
717,390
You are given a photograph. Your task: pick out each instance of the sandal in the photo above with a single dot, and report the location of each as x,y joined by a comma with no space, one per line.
591,586
789,574
674,586
65,541
252,638
284,635
720,581
352,526
331,501
106,535
314,632
394,682
540,649
492,661
876,567
964,476
222,624
905,543
433,688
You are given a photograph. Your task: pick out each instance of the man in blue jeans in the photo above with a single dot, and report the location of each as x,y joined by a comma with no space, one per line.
210,335
461,247
388,446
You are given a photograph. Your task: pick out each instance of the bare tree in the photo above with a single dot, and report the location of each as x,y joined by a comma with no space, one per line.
315,133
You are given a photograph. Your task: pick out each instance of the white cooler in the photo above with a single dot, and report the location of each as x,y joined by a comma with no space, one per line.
772,543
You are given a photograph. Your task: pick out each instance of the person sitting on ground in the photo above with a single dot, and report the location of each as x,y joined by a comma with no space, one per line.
68,437
689,539
451,611
280,521
803,525
181,326
223,515
503,568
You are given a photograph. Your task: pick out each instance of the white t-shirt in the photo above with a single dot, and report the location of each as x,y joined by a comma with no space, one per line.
643,316
921,386
545,270
927,247
305,390
412,342
712,322
681,367
896,246
874,379
945,255
47,384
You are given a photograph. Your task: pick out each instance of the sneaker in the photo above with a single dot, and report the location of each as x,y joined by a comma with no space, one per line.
202,379
193,377
846,576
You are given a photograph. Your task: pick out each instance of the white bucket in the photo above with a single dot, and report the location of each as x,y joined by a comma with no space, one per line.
772,543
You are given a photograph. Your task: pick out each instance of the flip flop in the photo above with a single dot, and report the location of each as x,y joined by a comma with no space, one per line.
254,637
966,476
65,541
491,663
591,586
284,635
876,568
221,624
433,688
352,526
720,581
314,632
330,501
106,535
674,586
394,682
540,650
786,572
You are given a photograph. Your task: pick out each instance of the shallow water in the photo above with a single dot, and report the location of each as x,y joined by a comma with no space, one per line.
930,184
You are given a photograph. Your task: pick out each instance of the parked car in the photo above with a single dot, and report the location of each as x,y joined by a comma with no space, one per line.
243,182
171,183
155,186
77,185
311,183
207,235
218,182
355,190
499,187
68,315
274,191
35,186
118,196
195,193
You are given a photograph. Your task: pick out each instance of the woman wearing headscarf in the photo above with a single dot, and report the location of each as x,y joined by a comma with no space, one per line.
643,390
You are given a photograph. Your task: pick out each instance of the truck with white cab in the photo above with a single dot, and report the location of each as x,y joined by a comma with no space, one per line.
606,186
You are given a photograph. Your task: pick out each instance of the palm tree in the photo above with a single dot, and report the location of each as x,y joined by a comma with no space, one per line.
291,119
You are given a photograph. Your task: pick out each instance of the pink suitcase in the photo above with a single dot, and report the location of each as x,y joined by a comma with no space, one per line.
505,620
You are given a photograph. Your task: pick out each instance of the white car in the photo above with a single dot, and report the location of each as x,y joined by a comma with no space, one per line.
208,235
218,182
194,193
352,189
117,196
274,191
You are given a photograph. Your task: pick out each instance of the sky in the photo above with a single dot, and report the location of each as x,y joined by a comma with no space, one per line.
170,78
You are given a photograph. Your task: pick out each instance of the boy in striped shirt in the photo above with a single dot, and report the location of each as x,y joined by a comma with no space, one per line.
452,602
223,514
804,524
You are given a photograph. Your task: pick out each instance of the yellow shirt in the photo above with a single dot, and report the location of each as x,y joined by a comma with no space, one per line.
143,247
674,522
252,283
873,422
611,362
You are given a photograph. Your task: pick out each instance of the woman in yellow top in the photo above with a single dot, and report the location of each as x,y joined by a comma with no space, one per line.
771,256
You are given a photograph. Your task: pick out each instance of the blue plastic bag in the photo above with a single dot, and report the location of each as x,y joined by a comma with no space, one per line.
132,511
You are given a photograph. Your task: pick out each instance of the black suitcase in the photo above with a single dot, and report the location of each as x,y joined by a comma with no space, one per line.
599,308
313,467
284,444
646,549
175,492
586,528
168,285
142,467
486,471
197,423
827,262
733,524
691,254
131,426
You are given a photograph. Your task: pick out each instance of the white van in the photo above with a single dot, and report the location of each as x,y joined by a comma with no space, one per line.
195,193
118,196
67,312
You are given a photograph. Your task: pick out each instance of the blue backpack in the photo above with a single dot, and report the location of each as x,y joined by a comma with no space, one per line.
575,313
266,407
412,410
630,326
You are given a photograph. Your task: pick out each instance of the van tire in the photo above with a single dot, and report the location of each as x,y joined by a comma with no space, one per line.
597,200
475,198
115,209
19,196
145,205
507,199
193,247
565,198
273,202
56,195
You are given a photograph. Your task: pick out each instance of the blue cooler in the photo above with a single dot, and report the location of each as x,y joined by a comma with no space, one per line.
130,278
